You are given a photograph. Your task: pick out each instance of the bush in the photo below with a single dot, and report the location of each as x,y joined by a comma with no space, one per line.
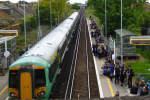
31,23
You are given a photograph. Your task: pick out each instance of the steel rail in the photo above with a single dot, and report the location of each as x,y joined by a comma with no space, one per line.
87,59
73,60
76,59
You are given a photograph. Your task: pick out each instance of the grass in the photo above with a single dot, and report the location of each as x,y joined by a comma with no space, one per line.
30,37
70,11
143,51
140,67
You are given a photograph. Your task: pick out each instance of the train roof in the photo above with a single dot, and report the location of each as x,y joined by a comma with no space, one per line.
47,47
30,61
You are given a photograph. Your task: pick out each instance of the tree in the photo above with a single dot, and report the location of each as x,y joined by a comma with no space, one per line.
75,6
133,13
45,10
31,23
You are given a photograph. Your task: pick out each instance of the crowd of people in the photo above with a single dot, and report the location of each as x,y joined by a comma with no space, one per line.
21,52
120,73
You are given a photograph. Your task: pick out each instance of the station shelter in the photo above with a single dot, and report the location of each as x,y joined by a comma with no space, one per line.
128,49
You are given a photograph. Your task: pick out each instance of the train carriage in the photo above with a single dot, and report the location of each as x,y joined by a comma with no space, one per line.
33,75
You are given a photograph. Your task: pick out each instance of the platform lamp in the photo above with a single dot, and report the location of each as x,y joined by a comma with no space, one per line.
121,36
105,22
24,23
58,11
39,32
50,14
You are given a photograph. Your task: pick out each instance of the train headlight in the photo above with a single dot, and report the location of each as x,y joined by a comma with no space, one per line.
41,93
13,94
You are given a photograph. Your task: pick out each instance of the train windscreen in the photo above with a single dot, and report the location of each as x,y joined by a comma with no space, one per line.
13,79
40,78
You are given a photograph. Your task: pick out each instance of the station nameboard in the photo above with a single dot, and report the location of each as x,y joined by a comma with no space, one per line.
8,32
140,40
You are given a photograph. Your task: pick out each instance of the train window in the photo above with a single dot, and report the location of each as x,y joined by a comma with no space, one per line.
13,79
63,48
50,75
40,78
53,69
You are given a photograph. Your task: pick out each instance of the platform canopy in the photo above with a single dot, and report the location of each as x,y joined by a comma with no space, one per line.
124,32
2,39
82,5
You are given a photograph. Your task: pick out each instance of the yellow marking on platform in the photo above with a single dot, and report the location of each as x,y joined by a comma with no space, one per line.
111,90
4,89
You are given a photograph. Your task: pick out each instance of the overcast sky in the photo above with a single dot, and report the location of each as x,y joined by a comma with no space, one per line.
71,1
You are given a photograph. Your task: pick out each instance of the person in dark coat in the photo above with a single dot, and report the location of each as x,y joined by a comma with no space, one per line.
130,74
108,72
144,91
94,49
21,52
123,73
96,46
117,74
134,88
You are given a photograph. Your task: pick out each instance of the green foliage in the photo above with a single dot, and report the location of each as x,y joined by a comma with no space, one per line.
133,28
31,23
143,51
132,15
44,6
88,11
140,67
75,6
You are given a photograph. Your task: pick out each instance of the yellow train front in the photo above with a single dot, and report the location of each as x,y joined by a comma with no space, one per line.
33,79
33,75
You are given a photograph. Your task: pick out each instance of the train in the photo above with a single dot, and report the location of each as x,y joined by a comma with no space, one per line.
34,74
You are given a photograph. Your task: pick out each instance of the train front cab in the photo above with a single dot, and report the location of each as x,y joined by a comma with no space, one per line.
27,83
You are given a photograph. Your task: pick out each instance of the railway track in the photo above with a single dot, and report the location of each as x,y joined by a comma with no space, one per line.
78,78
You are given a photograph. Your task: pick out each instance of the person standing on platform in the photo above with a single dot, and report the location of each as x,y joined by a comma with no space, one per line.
130,74
27,48
123,74
21,52
117,73
111,70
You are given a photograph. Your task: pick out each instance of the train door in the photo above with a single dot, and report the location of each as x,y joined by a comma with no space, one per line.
26,87
26,83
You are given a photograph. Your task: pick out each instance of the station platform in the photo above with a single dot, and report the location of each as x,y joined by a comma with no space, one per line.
106,87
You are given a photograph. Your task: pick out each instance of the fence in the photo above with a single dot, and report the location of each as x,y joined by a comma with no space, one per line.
5,66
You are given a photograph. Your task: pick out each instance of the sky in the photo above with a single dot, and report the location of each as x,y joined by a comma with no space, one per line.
71,1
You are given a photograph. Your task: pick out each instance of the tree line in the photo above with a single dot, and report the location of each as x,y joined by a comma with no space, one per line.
134,14
44,7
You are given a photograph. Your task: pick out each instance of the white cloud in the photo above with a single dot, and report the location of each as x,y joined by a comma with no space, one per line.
77,1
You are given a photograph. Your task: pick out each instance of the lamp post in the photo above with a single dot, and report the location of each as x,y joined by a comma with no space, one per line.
105,22
121,35
39,21
58,12
50,15
56,21
24,24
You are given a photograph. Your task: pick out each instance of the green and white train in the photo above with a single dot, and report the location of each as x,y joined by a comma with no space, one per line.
33,75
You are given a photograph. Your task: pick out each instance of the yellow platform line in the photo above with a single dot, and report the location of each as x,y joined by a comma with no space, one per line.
4,89
111,90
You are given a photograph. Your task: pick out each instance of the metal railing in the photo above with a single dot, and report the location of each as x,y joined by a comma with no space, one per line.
5,66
